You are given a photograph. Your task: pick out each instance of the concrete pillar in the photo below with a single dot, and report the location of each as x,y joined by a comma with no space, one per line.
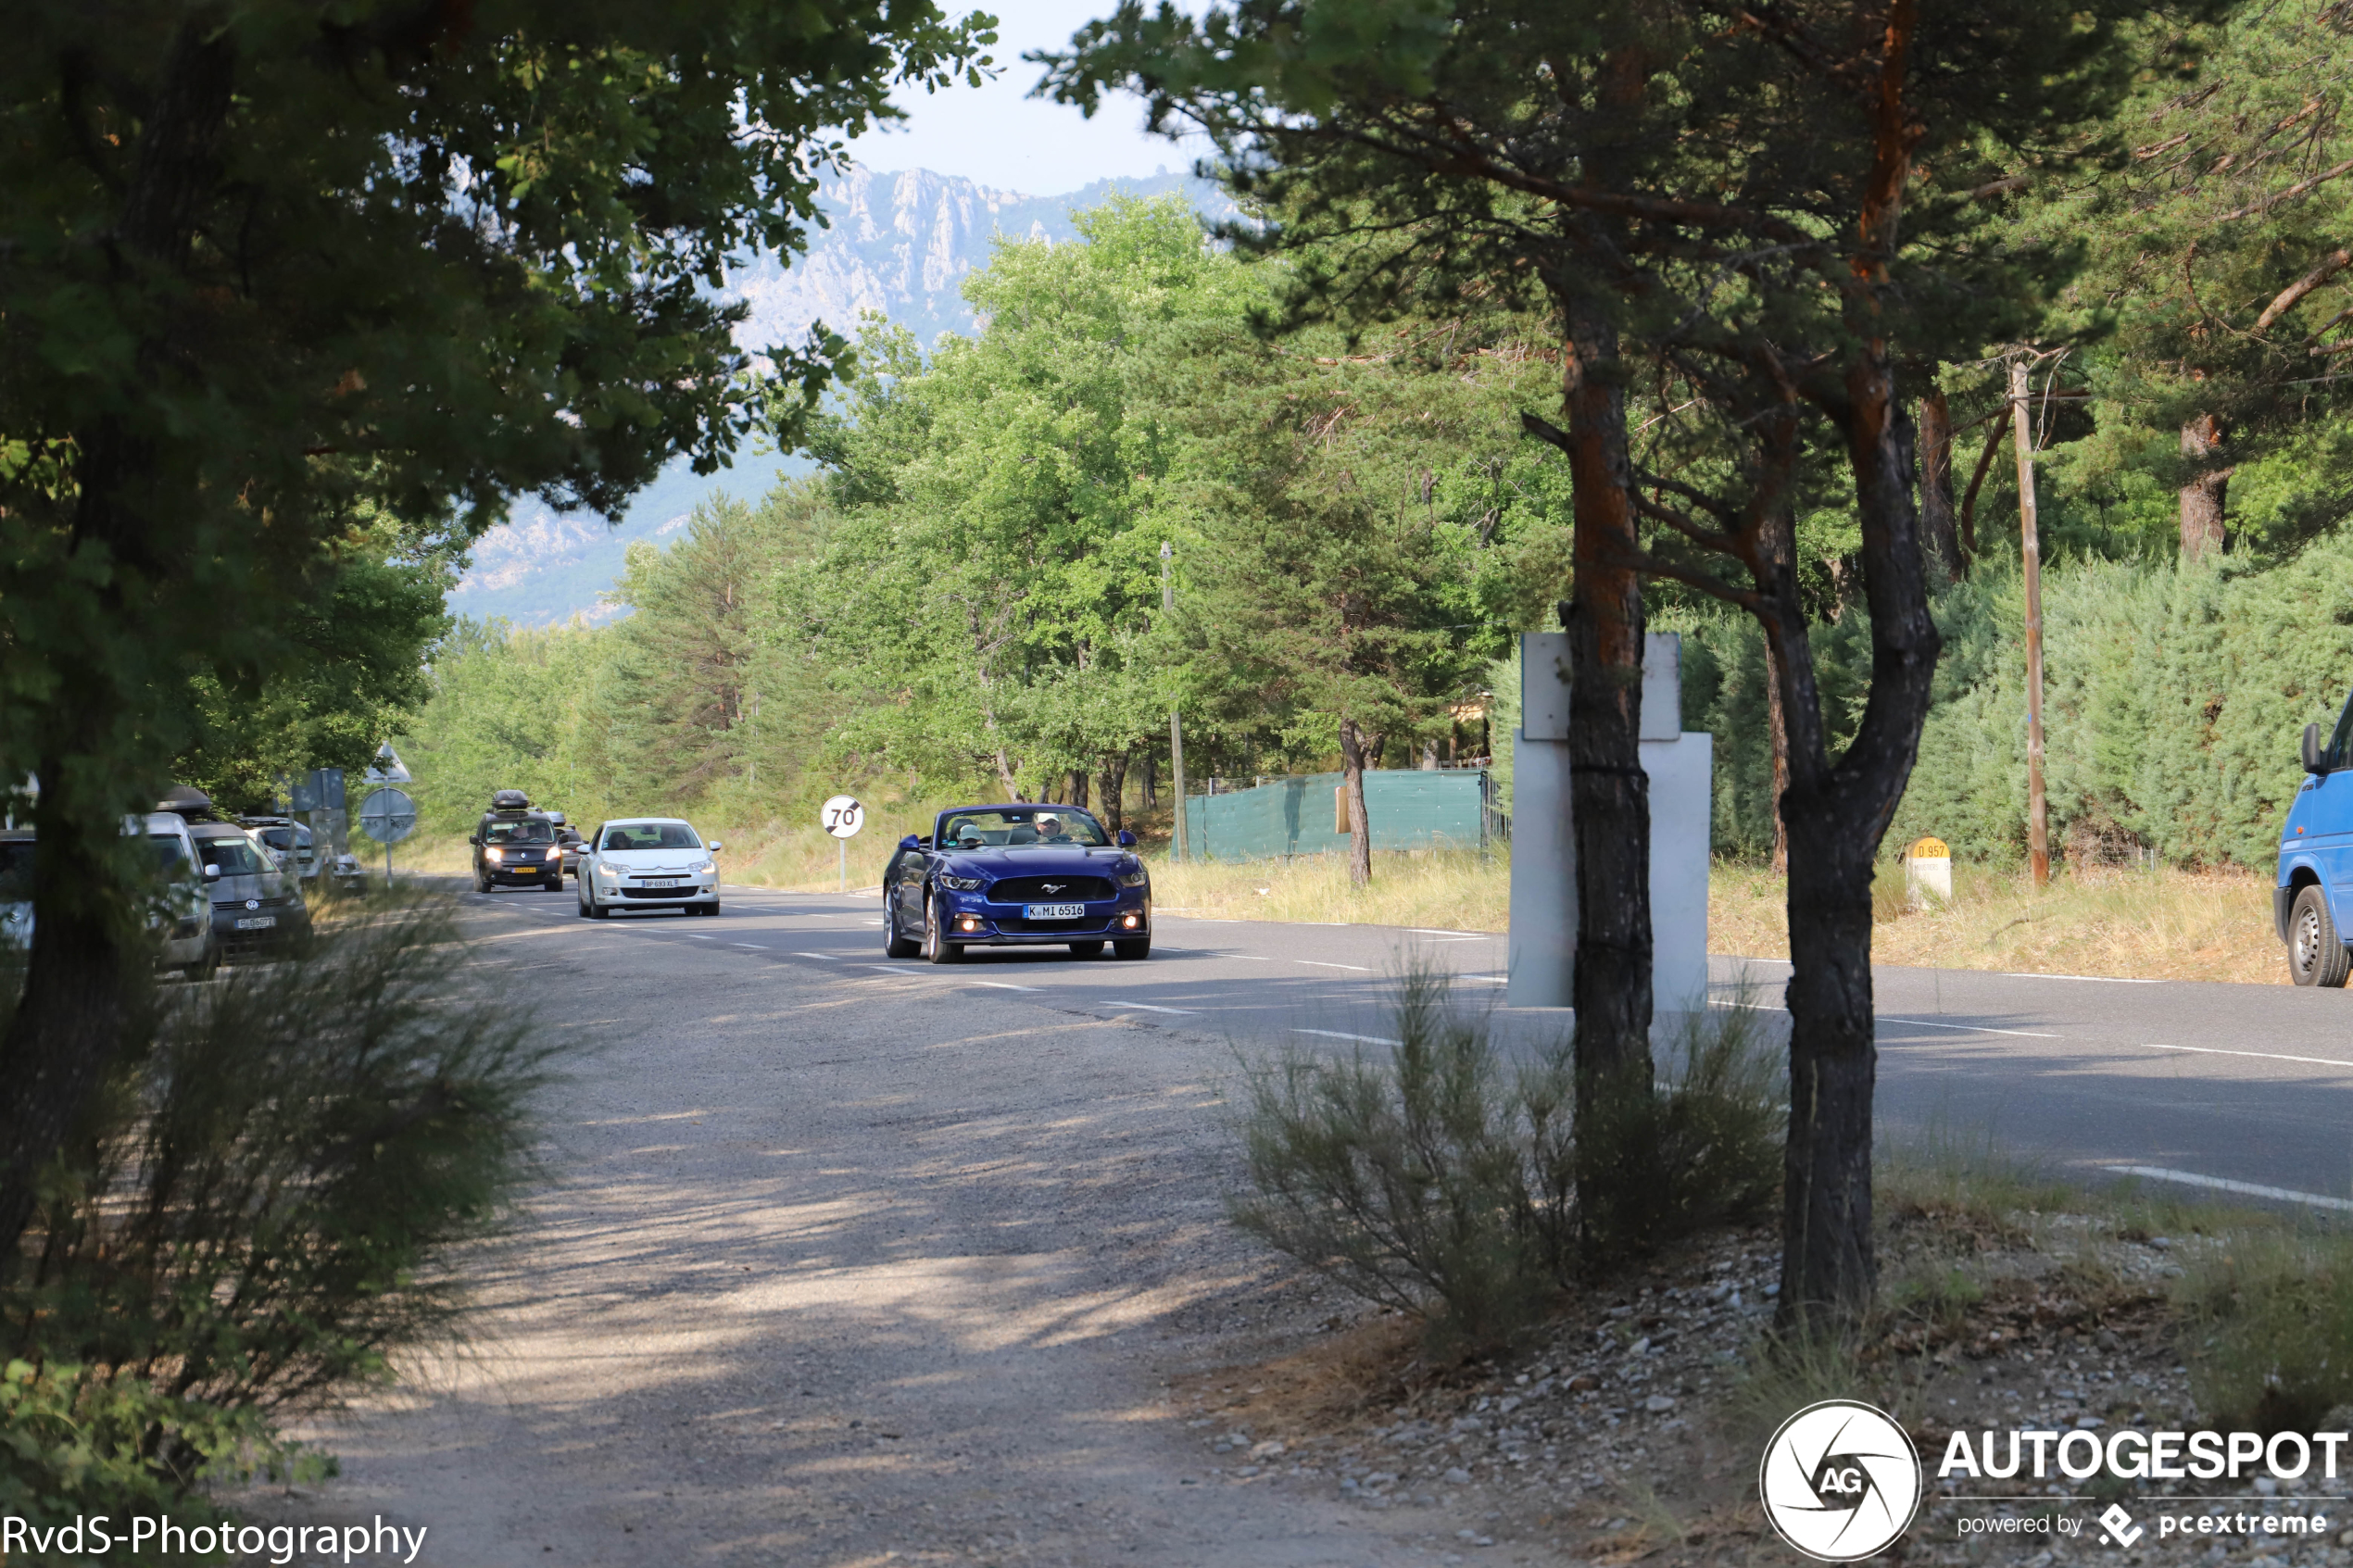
1543,942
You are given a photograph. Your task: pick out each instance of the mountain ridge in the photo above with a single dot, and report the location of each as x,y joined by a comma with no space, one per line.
900,244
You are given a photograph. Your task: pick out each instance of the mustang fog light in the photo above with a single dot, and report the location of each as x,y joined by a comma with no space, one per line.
1130,922
969,923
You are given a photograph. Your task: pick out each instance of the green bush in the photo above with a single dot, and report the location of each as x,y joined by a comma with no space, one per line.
263,1207
1441,1180
2266,1322
2173,697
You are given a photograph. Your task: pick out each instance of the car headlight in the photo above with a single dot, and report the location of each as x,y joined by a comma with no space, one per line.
605,870
707,867
964,883
1135,878
493,854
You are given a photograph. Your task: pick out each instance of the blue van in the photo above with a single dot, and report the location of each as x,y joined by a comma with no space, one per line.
2316,860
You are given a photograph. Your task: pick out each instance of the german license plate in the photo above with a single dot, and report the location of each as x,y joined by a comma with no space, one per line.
256,922
1053,911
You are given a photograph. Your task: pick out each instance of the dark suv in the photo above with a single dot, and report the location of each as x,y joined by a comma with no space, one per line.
515,844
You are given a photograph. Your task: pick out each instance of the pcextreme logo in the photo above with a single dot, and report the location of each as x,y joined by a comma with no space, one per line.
1840,1481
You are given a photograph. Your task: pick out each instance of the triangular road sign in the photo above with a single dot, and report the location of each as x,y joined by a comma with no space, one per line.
387,768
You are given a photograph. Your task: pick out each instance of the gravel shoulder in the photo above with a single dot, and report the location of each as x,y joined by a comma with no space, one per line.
832,1269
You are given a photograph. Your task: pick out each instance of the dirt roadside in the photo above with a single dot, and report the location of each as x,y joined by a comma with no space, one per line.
833,1270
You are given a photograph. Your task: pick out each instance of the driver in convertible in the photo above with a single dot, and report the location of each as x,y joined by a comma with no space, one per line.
1050,831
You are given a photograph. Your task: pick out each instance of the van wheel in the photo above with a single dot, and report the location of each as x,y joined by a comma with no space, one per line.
2316,956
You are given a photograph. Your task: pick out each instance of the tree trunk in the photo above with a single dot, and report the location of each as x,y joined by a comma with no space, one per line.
1148,788
1777,721
1075,790
2202,497
1837,816
1609,793
1429,756
1360,826
1112,790
1939,527
88,954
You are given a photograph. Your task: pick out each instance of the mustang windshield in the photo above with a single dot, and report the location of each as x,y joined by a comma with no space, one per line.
1064,826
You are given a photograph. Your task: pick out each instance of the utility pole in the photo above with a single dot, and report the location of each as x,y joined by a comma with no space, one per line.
1175,725
2038,826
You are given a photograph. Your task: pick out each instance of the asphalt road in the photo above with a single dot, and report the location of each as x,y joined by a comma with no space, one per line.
2205,1083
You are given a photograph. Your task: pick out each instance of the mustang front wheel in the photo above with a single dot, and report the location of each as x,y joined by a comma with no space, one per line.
937,947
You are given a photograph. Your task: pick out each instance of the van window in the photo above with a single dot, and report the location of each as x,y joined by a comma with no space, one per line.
2335,756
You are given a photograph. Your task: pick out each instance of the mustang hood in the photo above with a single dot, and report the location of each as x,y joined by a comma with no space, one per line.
1037,860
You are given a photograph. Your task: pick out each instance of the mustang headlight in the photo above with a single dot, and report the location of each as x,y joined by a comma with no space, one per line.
1135,878
963,883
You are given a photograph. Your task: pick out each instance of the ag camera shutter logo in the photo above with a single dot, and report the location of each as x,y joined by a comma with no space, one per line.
1840,1481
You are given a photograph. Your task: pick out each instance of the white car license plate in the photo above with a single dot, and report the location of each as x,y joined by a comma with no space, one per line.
1053,911
256,922
660,882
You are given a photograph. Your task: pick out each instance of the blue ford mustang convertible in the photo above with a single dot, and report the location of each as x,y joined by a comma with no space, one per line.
1016,876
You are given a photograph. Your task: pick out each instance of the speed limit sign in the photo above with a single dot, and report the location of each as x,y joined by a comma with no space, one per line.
842,817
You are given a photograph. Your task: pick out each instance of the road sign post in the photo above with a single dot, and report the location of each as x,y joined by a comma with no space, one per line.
843,816
387,816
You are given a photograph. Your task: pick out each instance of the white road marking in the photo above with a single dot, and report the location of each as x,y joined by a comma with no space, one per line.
2100,979
1148,1006
888,969
816,954
753,945
1252,957
1963,1028
1003,985
1319,964
700,937
2266,1056
1335,1035
2250,1189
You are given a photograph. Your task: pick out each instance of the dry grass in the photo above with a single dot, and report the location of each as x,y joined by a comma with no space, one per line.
1452,890
2129,924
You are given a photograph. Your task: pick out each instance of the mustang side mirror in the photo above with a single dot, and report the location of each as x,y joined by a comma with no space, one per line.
1127,839
2312,749
910,842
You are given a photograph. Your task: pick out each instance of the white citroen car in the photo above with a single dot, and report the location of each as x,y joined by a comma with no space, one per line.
648,863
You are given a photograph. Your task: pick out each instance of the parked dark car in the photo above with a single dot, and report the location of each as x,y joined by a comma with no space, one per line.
515,844
1016,875
570,839
256,904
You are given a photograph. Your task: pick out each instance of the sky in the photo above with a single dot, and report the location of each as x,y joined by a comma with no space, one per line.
1000,136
